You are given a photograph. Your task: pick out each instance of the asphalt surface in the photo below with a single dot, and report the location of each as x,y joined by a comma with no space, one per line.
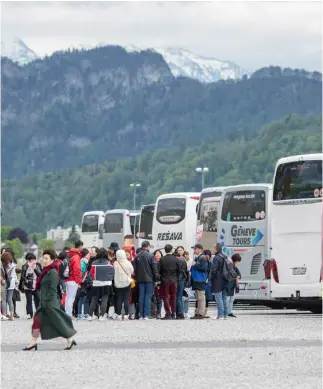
259,349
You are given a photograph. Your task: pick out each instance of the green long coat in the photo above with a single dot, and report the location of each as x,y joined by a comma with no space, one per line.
53,320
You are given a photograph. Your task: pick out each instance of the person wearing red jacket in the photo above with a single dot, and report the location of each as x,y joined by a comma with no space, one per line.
75,276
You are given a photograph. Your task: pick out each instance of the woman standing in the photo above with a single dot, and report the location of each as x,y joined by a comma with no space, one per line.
3,281
11,281
16,293
29,273
102,273
157,300
183,277
122,279
50,320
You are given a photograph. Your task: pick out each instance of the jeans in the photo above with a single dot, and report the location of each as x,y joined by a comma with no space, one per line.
83,306
71,289
221,302
169,292
122,298
186,304
3,300
179,297
230,300
9,300
145,296
29,300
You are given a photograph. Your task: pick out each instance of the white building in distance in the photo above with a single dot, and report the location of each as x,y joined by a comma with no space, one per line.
60,233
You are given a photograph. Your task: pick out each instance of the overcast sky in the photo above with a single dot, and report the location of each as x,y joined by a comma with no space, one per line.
251,34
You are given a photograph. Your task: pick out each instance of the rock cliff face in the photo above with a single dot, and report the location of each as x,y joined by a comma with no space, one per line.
79,107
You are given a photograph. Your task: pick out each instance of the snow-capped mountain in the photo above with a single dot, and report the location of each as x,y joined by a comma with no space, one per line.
16,49
181,61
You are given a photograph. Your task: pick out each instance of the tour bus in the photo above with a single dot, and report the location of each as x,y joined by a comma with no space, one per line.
146,224
207,216
121,226
175,220
92,228
245,229
295,268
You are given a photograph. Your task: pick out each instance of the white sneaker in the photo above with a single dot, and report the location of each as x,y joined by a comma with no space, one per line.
4,318
141,318
146,318
126,317
28,317
101,318
89,318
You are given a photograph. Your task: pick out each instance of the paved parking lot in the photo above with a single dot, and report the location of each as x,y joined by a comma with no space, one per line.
258,349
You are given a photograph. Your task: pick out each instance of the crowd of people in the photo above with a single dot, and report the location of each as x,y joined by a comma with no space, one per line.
137,284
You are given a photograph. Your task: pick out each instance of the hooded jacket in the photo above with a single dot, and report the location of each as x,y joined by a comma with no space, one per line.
123,270
75,273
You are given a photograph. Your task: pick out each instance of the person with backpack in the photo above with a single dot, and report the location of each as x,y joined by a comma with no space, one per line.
29,273
221,274
199,278
74,278
233,285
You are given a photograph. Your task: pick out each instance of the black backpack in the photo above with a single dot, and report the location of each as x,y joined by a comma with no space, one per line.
228,272
64,267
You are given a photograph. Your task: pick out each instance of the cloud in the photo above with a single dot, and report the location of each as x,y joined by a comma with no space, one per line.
252,34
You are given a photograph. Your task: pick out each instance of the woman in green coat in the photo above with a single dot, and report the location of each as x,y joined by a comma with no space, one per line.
50,320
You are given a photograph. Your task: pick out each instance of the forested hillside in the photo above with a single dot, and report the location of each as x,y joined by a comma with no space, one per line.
80,107
38,201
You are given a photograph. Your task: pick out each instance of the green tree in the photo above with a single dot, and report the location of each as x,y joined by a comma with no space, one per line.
5,232
73,236
46,244
16,246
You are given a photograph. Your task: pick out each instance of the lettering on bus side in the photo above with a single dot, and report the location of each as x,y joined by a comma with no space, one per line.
170,236
242,236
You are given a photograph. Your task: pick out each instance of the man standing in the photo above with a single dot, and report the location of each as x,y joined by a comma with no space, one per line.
199,278
74,276
169,270
146,274
221,274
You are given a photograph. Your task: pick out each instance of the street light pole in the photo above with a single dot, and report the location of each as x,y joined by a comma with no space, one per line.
134,186
202,170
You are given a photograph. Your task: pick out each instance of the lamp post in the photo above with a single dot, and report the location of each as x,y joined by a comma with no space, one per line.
134,186
202,170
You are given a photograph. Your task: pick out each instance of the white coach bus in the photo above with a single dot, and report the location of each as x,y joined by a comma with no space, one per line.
207,216
175,220
245,229
92,228
295,269
121,226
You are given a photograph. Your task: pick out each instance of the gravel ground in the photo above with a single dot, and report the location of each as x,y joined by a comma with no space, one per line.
257,350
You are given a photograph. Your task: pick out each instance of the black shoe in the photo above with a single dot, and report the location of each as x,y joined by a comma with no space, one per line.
231,315
16,316
71,345
167,317
33,347
180,316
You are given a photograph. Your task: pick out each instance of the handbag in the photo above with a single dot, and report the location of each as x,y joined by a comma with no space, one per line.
130,279
16,295
9,279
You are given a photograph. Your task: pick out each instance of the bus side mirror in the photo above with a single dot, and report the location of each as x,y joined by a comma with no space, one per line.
101,231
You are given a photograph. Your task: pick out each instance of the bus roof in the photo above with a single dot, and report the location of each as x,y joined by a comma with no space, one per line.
148,205
247,186
213,189
93,213
180,194
294,158
117,210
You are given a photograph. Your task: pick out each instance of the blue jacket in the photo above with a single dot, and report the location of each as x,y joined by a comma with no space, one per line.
199,273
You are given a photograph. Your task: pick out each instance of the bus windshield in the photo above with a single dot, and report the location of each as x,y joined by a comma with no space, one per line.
298,180
146,222
244,206
134,223
205,195
209,215
171,210
113,223
90,223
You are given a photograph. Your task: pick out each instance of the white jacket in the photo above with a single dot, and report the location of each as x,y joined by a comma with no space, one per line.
11,272
123,270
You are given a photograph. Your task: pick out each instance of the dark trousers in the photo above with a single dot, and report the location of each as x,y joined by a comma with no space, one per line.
103,305
29,300
122,297
169,292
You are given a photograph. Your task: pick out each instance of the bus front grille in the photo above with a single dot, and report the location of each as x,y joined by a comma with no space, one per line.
255,264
